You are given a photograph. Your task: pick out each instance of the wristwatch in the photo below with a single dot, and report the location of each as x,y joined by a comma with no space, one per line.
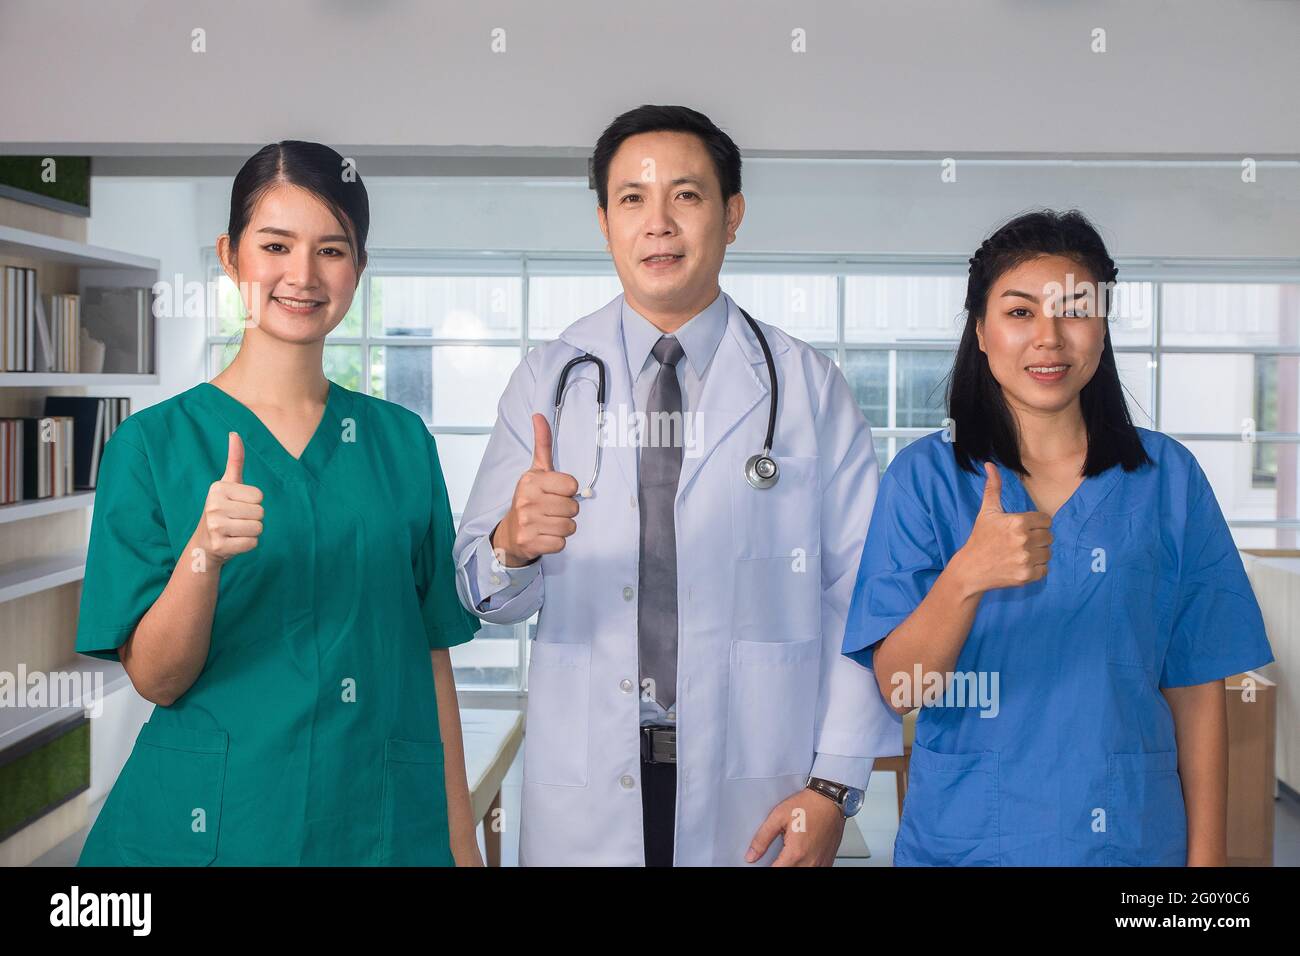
848,799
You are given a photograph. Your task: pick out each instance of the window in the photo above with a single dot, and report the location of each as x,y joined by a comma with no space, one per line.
1200,359
1266,402
1229,386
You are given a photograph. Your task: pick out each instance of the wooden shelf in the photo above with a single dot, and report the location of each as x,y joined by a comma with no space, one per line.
21,510
21,723
66,265
42,379
33,575
22,244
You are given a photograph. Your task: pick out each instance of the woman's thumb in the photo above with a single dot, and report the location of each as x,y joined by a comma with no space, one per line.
992,489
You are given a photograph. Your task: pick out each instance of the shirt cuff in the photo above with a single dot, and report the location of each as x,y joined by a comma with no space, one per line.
493,582
850,771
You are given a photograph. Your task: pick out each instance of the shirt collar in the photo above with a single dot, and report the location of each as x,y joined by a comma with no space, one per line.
699,337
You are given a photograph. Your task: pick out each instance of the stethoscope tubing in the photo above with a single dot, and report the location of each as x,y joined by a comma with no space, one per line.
753,475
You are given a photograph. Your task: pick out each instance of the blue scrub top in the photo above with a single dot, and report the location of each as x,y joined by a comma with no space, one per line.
1068,755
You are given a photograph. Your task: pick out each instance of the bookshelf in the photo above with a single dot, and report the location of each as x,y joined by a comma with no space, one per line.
25,244
46,379
21,724
21,510
27,576
43,541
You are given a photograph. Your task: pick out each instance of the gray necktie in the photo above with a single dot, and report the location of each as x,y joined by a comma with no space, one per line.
661,465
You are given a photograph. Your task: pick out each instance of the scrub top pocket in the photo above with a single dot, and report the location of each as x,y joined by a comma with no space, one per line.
1146,821
1138,619
414,824
169,804
1139,599
950,814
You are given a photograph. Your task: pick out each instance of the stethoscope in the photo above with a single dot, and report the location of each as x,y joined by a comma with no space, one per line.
761,470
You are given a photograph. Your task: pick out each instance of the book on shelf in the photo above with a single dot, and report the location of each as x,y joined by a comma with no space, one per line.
17,317
45,344
59,452
38,333
11,460
36,458
96,419
64,332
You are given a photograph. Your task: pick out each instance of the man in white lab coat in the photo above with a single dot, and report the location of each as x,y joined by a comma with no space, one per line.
688,703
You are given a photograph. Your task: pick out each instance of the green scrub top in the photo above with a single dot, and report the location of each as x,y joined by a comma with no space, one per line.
311,735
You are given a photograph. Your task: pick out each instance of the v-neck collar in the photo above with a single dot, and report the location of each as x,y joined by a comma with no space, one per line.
257,437
1076,509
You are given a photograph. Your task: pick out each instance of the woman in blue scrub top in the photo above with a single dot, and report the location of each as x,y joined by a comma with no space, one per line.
292,618
1056,589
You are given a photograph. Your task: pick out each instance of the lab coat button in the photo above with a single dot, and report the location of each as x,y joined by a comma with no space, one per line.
632,501
496,579
625,686
627,594
626,781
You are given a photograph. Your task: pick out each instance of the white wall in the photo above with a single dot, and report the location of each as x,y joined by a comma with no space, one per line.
881,77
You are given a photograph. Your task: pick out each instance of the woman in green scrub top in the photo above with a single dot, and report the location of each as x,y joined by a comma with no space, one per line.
292,619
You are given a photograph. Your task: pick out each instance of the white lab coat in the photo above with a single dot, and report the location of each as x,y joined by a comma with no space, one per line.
764,583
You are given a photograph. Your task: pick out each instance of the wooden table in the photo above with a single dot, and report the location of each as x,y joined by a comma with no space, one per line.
492,739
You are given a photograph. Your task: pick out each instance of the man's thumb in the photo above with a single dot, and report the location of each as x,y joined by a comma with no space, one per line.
235,460
992,489
542,443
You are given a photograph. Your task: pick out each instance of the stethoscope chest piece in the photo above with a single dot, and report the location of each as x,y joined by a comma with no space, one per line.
761,471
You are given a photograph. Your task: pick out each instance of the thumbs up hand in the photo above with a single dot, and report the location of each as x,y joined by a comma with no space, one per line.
542,460
543,508
1005,550
232,515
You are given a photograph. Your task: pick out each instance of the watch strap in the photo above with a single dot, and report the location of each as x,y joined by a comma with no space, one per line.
837,792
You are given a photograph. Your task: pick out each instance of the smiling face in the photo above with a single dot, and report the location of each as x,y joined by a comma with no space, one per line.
294,266
1043,332
667,225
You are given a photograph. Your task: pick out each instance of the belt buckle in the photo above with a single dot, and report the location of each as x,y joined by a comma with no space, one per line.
659,744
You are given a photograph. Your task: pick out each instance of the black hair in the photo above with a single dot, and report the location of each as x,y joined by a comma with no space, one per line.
313,167
670,119
984,425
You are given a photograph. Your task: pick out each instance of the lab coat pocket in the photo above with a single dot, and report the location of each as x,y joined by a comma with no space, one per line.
783,521
1146,821
1138,620
556,728
171,791
772,707
950,815
414,825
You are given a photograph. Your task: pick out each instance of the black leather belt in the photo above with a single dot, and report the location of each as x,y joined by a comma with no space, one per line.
659,744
